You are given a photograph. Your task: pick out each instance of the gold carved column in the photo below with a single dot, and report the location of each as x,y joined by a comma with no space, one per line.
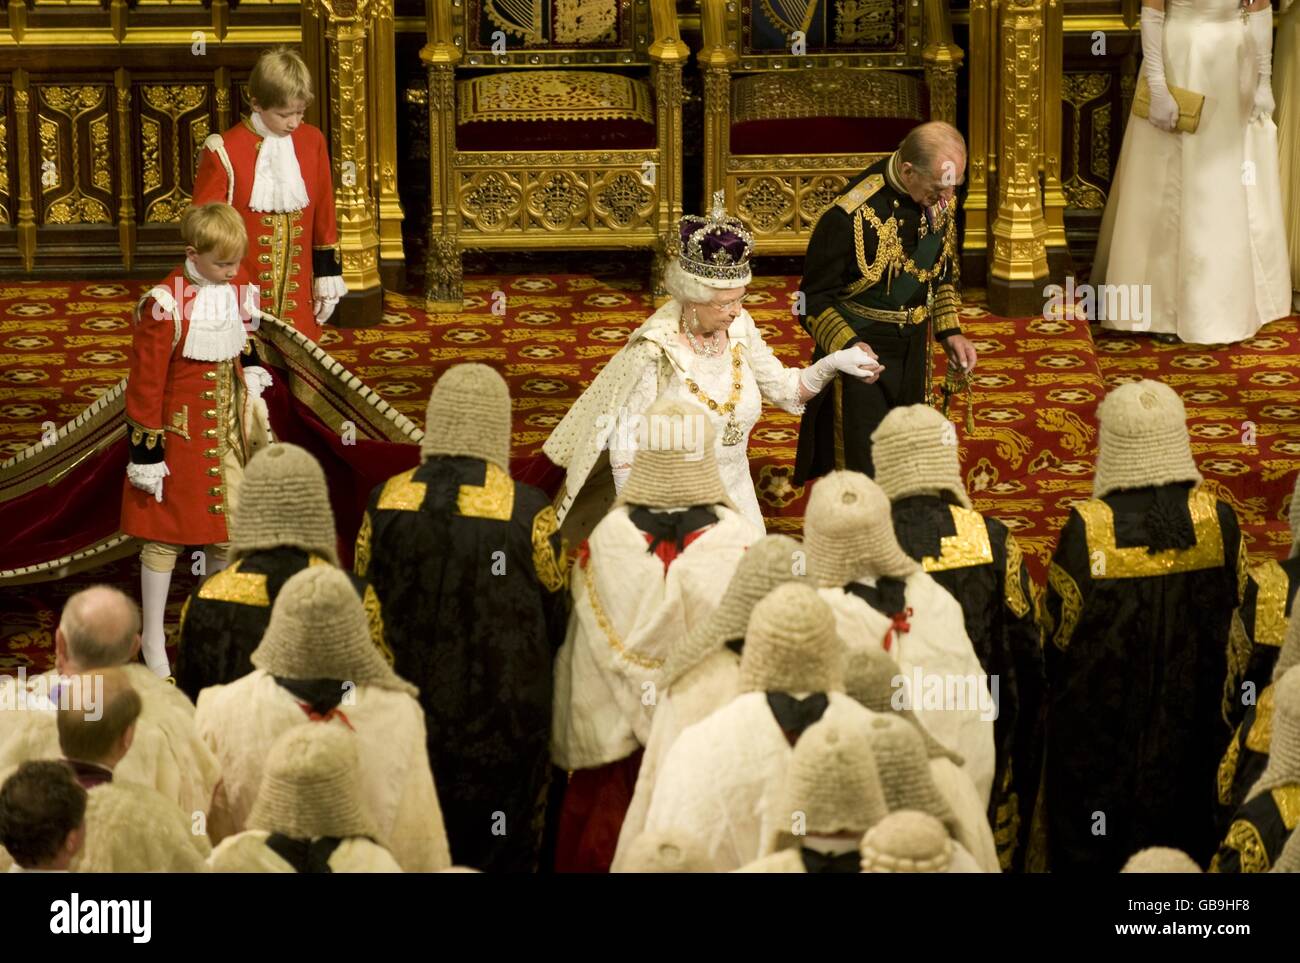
982,75
346,26
717,60
22,127
1018,269
942,60
443,272
383,149
1054,200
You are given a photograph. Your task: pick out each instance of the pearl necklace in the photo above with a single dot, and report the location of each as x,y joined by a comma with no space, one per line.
711,349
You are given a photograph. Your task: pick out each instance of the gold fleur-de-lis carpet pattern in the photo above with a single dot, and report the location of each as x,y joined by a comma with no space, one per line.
1029,458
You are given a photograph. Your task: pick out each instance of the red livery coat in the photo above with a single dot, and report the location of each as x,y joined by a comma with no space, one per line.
186,407
281,247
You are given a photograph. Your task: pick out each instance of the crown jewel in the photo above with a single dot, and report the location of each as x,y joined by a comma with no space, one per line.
716,248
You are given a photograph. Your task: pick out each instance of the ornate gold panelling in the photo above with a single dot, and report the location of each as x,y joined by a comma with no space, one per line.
174,122
1079,91
577,194
75,173
4,157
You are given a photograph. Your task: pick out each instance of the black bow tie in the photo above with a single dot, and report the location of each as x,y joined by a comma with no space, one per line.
888,596
795,715
815,862
671,527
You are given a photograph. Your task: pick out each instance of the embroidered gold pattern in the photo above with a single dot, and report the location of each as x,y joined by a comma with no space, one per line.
494,499
842,92
891,260
361,561
830,331
180,422
1228,769
1245,839
1238,660
232,585
1260,736
580,22
151,437
968,546
1071,604
1287,800
947,305
1099,523
523,19
1014,591
375,618
553,95
552,572
402,494
1270,603
858,195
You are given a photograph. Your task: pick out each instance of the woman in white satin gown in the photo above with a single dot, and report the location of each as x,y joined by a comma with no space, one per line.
1287,68
1198,217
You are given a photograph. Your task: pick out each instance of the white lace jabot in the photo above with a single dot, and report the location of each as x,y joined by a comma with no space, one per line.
277,180
216,330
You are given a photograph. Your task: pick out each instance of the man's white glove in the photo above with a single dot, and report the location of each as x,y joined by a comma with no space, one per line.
325,295
148,478
856,361
257,379
1164,109
1259,25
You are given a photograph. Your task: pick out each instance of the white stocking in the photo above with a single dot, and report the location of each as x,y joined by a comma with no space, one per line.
153,640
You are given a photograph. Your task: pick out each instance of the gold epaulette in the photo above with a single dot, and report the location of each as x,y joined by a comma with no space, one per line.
851,200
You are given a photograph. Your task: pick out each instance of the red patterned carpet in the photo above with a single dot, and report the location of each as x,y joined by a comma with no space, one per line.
1030,456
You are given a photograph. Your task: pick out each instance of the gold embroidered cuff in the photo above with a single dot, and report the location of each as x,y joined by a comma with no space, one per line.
831,331
151,438
947,305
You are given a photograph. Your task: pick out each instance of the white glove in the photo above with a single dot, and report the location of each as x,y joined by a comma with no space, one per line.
1259,25
854,361
1164,109
620,473
326,292
257,379
148,478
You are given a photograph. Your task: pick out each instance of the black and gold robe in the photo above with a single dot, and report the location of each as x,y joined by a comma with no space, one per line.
1258,634
1246,757
1141,591
979,562
471,566
1258,832
223,621
874,249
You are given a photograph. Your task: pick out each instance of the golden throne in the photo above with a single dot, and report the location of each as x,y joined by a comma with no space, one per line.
553,124
801,95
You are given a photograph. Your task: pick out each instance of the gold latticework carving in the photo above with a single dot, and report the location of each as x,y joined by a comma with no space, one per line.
558,201
553,95
1078,90
766,203
489,200
624,199
821,194
4,158
825,93
175,101
73,206
580,22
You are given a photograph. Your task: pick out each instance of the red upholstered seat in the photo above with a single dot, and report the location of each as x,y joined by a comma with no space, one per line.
554,110
835,111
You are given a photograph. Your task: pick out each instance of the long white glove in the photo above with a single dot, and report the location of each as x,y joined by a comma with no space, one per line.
1164,109
325,295
1260,27
853,360
257,379
148,478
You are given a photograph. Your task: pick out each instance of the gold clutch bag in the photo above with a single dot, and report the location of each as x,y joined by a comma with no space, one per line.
1189,105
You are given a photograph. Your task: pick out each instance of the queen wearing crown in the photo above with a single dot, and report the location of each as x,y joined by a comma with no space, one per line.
701,346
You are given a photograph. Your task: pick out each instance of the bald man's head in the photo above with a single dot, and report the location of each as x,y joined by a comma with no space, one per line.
100,627
96,719
932,162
